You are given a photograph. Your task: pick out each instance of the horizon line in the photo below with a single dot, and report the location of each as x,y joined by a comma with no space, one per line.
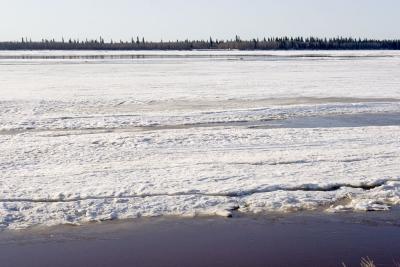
236,38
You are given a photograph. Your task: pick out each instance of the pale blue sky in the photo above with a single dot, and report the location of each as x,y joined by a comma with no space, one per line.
180,19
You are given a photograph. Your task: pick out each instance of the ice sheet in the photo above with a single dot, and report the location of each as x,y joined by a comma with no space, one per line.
180,135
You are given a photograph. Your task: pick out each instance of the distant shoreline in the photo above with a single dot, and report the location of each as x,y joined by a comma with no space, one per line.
276,43
172,49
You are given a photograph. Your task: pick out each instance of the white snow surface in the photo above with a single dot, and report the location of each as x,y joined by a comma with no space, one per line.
89,136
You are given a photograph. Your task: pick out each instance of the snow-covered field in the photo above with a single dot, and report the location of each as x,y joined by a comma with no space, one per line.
87,136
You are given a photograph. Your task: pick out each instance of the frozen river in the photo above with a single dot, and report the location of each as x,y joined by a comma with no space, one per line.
88,136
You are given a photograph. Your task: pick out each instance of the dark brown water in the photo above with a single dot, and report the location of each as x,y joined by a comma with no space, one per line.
274,240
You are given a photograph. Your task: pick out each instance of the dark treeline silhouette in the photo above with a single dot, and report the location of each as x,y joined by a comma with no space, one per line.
279,43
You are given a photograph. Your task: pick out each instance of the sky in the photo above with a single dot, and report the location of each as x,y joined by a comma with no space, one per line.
180,19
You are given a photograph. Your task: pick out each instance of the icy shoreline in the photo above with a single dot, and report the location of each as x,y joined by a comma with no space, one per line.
212,171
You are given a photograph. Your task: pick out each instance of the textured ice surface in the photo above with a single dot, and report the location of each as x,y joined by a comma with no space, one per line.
86,138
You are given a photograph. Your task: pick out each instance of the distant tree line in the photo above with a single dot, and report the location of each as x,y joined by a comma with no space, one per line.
278,43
